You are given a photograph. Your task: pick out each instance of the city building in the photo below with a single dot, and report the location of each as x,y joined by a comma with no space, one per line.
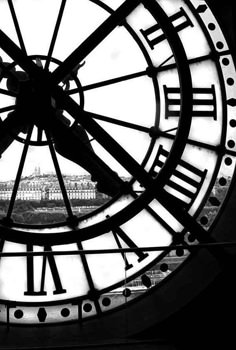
39,186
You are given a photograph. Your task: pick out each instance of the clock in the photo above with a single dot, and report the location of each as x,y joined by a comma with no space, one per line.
137,100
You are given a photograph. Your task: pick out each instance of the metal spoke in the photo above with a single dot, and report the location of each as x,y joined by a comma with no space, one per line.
170,130
59,176
8,93
120,79
55,34
190,61
17,27
191,247
214,148
110,81
120,122
19,173
7,109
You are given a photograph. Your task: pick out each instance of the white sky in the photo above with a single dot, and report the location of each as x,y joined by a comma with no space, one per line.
113,58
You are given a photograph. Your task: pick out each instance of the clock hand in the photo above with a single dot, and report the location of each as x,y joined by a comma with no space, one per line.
14,123
73,144
79,54
10,126
85,118
17,55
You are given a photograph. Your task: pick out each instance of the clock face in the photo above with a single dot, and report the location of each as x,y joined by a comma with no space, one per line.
118,148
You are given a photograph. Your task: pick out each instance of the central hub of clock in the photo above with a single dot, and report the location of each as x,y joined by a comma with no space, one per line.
34,103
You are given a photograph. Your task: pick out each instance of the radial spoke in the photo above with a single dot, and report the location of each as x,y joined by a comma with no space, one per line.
190,61
120,122
59,176
170,130
17,27
7,109
111,81
214,148
55,33
120,79
19,173
7,92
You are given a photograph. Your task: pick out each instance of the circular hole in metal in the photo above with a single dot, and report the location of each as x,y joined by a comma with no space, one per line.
127,292
204,220
228,161
164,267
18,314
222,181
106,301
231,144
232,123
65,312
219,45
87,307
211,26
179,252
191,238
225,61
230,81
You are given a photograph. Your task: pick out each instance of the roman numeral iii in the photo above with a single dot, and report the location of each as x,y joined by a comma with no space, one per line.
204,102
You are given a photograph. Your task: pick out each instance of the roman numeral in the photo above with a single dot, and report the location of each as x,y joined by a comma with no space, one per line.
119,235
31,276
185,182
154,34
204,102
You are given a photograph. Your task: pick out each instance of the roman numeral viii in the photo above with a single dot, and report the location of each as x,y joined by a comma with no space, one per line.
154,35
204,102
46,261
185,182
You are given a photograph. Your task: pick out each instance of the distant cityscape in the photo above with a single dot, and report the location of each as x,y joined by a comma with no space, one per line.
45,187
38,186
